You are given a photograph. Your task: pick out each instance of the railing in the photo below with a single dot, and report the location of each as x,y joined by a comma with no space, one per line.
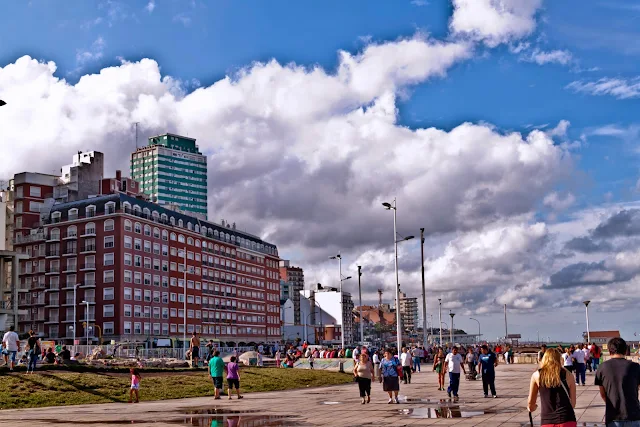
88,283
72,235
29,238
89,266
53,253
89,248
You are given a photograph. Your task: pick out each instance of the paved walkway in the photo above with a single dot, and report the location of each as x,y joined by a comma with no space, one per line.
421,404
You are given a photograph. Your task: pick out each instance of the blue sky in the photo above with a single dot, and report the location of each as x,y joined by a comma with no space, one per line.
555,61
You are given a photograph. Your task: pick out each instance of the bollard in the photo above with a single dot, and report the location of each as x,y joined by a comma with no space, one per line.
341,367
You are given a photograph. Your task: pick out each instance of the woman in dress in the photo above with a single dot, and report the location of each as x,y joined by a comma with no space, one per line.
438,366
557,389
390,382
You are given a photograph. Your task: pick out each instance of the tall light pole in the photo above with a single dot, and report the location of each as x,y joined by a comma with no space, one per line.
75,306
360,294
424,293
342,322
451,329
471,318
440,311
389,206
86,316
586,306
431,316
506,332
184,304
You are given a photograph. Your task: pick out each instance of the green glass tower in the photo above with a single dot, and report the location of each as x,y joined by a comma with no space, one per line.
172,171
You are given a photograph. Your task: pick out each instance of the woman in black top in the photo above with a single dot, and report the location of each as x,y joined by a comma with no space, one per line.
33,346
557,391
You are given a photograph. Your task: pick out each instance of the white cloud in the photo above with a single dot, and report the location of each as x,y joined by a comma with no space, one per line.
619,88
558,203
91,23
419,3
95,53
540,57
182,18
494,21
561,129
150,6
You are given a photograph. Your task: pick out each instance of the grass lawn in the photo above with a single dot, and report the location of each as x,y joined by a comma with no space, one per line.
70,388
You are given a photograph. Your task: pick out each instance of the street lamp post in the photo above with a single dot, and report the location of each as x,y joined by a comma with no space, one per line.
342,322
440,312
451,329
75,308
471,318
424,293
184,305
389,206
431,316
360,296
86,317
506,331
586,306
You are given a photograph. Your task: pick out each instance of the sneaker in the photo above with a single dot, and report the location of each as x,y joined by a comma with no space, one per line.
495,396
240,397
449,394
390,401
456,398
397,401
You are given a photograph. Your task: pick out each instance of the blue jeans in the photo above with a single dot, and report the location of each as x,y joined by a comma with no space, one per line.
33,359
595,363
581,375
416,364
624,424
454,383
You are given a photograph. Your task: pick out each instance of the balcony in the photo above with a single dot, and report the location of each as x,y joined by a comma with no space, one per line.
24,272
88,266
52,270
69,252
38,301
68,286
68,301
91,232
70,268
53,288
52,254
91,300
53,304
53,237
88,249
88,284
52,321
36,237
69,236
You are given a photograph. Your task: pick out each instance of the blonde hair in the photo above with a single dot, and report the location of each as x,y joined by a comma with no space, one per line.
550,369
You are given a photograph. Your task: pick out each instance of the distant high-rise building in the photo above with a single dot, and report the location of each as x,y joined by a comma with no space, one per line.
408,312
292,282
173,172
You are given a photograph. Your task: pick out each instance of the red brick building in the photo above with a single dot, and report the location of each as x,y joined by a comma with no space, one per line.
131,261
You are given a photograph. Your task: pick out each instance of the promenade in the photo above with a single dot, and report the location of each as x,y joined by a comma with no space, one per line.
421,405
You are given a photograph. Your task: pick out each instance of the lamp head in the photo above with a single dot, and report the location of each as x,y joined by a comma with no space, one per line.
347,278
586,303
386,205
2,103
409,237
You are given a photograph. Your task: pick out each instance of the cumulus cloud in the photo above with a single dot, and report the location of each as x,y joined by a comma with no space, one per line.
556,202
619,88
150,6
494,21
540,57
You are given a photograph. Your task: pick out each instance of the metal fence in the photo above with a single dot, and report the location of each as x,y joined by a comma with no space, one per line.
140,352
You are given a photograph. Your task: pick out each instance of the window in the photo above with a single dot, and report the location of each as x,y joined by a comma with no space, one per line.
156,232
127,310
35,191
147,230
147,262
107,328
147,279
108,259
110,208
109,242
127,327
147,246
174,297
174,312
173,236
108,276
180,238
109,225
180,223
137,328
90,228
137,228
72,214
108,294
137,244
189,241
127,293
147,295
127,225
128,242
107,310
165,235
137,278
137,295
127,276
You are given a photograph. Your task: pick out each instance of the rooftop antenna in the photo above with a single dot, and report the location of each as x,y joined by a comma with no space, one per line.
136,125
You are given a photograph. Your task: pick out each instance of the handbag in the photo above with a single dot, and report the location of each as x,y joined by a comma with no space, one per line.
399,370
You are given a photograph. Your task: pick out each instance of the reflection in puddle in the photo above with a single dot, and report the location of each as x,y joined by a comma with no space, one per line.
451,411
437,402
580,424
330,403
240,421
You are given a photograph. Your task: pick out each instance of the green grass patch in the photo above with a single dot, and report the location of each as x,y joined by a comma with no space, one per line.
72,388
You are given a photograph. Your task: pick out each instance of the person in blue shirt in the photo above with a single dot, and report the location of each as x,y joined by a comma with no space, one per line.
488,362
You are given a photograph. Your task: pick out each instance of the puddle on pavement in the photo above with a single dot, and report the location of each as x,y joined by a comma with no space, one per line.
580,424
331,403
452,411
234,420
438,402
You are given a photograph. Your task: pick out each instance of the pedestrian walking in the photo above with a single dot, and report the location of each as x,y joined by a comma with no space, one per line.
194,348
470,359
488,362
405,360
454,363
438,366
376,365
11,343
619,379
579,357
33,348
557,392
543,349
568,361
233,377
416,354
135,385
310,359
390,380
216,369
596,354
364,374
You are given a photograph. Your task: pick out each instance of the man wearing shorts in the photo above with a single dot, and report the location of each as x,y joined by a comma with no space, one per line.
11,343
216,370
195,350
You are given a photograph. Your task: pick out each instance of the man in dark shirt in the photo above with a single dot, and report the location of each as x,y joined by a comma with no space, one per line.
488,362
619,380
543,349
65,354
